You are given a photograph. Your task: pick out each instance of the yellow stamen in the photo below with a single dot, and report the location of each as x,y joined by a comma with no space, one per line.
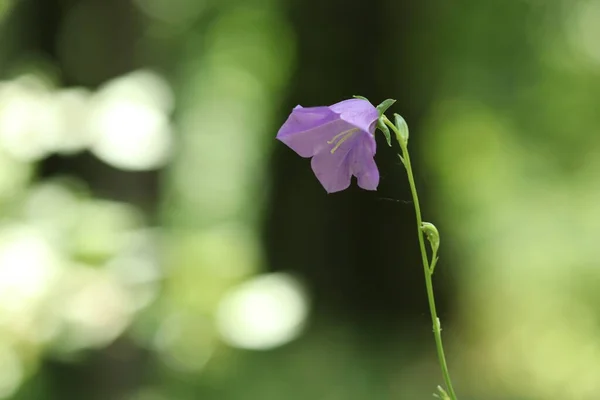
344,136
337,136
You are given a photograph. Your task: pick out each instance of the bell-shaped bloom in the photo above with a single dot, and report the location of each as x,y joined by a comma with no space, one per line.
339,138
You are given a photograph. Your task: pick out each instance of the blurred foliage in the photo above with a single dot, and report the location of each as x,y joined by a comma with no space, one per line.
157,243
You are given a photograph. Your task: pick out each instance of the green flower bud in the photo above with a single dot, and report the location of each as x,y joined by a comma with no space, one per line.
402,128
432,235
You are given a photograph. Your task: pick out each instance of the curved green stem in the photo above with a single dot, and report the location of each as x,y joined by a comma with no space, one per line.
437,330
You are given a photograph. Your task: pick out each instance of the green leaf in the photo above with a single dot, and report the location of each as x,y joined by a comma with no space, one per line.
361,97
382,108
386,132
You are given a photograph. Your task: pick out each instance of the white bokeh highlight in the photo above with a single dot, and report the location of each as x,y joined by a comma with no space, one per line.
25,116
68,132
263,313
126,123
130,124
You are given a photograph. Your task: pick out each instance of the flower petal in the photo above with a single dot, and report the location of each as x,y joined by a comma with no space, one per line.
333,169
362,163
358,112
307,130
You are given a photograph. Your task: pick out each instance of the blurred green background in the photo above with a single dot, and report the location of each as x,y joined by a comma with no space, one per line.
157,243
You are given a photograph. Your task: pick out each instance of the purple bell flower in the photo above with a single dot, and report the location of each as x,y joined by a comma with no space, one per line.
339,138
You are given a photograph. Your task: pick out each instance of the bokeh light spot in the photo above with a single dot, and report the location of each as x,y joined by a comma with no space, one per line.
263,313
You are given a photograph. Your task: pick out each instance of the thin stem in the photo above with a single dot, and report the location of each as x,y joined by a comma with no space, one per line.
434,260
437,331
428,281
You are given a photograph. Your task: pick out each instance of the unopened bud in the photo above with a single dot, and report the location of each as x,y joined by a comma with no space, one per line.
432,235
402,128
